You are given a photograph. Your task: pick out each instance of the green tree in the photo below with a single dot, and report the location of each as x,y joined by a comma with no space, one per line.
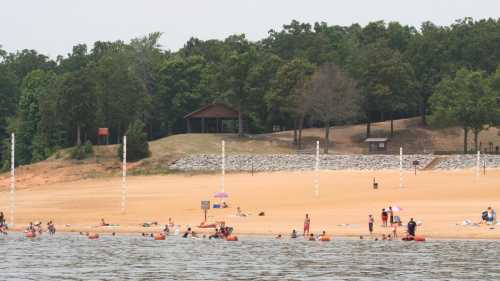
428,53
77,102
183,86
287,92
387,83
466,101
120,98
235,74
8,101
34,87
137,142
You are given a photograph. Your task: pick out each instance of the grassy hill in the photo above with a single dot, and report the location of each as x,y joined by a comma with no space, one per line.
345,140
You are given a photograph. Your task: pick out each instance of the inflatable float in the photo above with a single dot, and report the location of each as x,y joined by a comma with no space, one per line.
420,238
232,238
416,238
93,236
30,234
160,236
325,238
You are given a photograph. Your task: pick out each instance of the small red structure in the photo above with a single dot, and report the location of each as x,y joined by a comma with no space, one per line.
103,133
210,118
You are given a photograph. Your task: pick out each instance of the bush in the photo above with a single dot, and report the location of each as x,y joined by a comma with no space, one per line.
80,152
137,142
88,149
77,153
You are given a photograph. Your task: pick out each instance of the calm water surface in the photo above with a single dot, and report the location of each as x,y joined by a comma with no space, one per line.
72,257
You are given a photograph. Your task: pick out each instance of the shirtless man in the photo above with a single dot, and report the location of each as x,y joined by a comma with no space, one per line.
307,225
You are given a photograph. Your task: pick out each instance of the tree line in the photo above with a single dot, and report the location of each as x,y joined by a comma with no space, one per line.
302,75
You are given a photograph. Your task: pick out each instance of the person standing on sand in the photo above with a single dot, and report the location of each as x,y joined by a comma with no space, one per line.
394,231
391,215
384,217
307,225
370,223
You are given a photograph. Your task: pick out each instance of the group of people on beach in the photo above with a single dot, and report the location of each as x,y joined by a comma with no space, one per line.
389,219
221,231
386,218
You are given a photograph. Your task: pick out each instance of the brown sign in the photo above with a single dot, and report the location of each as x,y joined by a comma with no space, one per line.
205,205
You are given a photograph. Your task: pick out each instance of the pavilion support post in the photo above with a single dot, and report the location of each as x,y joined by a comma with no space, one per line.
203,125
188,123
222,125
217,125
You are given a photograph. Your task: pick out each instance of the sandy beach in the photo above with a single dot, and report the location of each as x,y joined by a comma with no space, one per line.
441,200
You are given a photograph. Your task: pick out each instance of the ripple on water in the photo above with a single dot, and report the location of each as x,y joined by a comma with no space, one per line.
73,257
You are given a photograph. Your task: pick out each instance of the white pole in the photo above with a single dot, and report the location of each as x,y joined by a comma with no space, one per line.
316,169
223,165
13,181
478,163
401,167
124,175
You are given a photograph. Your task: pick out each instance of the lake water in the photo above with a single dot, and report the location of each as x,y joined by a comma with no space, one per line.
73,257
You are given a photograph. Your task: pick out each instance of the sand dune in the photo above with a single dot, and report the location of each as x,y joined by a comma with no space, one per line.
439,199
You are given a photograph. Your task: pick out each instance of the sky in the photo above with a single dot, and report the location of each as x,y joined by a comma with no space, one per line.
53,27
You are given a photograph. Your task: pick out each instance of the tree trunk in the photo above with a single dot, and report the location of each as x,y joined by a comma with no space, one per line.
476,140
392,126
240,121
368,129
78,133
301,125
327,137
295,135
466,131
422,109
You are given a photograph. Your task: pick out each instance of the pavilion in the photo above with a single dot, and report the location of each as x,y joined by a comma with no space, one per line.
212,118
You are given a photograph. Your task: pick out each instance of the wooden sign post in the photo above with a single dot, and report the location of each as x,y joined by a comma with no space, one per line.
205,206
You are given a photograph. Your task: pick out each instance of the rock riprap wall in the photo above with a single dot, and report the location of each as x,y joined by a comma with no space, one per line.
454,162
297,162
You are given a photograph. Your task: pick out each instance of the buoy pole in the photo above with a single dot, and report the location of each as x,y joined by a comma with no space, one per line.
316,170
223,166
124,176
478,163
401,167
13,181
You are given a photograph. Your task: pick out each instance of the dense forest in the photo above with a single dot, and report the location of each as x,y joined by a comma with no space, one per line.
449,74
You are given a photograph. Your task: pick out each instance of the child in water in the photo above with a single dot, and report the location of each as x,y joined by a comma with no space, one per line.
311,237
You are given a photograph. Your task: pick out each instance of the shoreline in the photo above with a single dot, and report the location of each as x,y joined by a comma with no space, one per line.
441,201
136,231
263,235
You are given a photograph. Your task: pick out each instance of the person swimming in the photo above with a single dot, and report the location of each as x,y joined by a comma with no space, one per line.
279,236
187,233
311,237
294,234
